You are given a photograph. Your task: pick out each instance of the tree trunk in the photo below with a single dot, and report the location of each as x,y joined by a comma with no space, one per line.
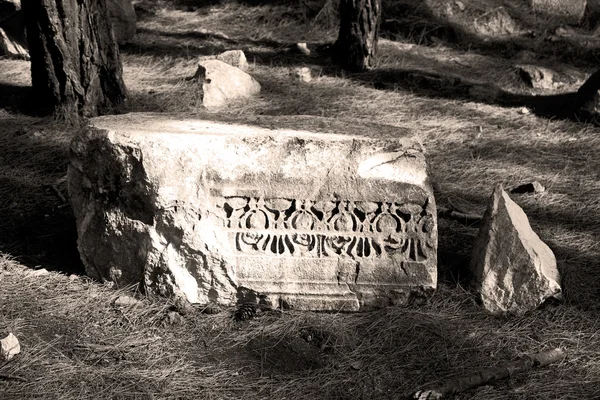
359,29
75,64
587,106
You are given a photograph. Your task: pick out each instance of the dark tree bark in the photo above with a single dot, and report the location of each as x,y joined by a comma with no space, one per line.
588,98
359,30
75,64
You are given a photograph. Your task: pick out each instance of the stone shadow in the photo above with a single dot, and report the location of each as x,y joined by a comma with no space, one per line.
37,226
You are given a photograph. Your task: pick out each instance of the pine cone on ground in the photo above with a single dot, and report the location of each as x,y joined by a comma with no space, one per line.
244,312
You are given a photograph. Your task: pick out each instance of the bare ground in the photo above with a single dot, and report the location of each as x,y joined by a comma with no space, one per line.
447,81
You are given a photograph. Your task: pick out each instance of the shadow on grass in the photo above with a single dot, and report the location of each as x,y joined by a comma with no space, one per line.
433,85
16,98
566,217
192,44
37,226
451,85
418,22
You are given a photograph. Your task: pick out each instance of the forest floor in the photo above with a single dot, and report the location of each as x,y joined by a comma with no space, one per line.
448,73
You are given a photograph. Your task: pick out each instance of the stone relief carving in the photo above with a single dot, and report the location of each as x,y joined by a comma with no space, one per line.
320,229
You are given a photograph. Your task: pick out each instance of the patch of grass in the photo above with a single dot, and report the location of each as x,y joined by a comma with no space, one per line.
454,95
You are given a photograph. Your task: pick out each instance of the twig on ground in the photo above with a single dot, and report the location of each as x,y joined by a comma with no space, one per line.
464,218
509,369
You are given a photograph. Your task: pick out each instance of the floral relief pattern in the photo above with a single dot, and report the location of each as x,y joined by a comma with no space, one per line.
319,229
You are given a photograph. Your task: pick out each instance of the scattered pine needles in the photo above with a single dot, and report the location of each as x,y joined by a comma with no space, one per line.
76,343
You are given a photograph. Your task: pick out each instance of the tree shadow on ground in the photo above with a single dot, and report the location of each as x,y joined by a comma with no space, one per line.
17,99
452,84
434,85
191,44
37,226
418,22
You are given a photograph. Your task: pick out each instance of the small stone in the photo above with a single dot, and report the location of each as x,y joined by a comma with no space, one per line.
537,77
356,365
235,58
73,277
530,187
125,301
40,272
303,49
303,74
9,347
514,270
219,83
173,318
524,110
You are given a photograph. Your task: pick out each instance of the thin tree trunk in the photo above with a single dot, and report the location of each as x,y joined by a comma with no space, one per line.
359,30
75,64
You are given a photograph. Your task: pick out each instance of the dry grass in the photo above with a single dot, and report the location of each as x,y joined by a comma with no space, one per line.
78,345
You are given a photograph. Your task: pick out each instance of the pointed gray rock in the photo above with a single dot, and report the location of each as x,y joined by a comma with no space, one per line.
514,270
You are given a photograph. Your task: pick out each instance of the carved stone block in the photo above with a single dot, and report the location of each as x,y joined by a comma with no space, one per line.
219,212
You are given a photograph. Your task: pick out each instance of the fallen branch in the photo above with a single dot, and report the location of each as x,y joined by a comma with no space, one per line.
486,376
464,218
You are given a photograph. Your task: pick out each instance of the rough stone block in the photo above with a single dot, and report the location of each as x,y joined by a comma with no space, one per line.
218,212
514,270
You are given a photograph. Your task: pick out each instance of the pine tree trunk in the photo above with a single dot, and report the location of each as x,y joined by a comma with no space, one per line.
359,29
75,64
587,106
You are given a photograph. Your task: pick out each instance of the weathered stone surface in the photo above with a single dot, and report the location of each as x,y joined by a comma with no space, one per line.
570,11
123,18
514,270
221,213
220,83
235,58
